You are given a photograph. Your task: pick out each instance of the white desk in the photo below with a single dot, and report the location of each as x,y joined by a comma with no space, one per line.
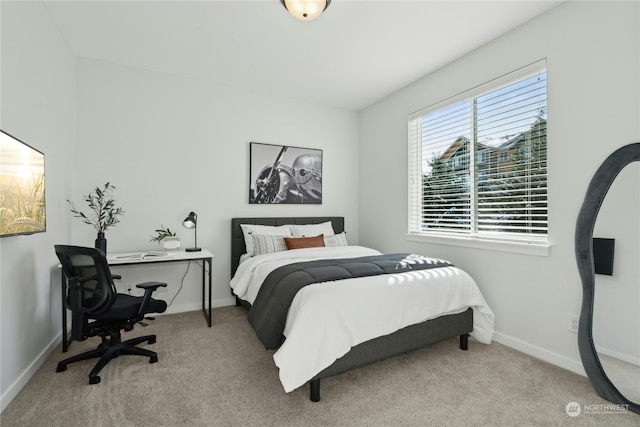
124,259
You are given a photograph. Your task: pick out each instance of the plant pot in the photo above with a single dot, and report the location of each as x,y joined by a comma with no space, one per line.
171,243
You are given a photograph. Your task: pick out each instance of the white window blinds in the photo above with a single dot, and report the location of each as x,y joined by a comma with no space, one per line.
478,161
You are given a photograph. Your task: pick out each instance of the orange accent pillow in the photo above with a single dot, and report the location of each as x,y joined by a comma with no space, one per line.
304,242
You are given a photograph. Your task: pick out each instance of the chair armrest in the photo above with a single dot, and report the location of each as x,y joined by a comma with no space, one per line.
149,288
151,285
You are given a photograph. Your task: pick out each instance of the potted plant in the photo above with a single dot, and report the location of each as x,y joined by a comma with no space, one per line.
104,212
167,238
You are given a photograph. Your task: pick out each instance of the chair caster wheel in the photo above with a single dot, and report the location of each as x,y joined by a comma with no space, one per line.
151,340
61,368
153,359
94,380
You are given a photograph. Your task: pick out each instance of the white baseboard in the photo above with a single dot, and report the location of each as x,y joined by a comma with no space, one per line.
22,380
540,353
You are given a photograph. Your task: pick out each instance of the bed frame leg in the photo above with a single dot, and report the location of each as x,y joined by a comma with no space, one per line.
314,387
464,341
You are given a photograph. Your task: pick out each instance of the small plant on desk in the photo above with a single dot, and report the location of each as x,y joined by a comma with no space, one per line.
161,233
166,237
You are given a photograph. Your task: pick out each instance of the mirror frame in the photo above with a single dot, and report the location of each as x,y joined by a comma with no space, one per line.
596,192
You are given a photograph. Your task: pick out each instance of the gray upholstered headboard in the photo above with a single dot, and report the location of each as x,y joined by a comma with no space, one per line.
237,238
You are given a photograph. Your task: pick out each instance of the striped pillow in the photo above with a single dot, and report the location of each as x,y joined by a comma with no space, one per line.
265,244
336,240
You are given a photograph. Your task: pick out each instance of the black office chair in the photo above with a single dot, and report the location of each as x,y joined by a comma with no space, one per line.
97,308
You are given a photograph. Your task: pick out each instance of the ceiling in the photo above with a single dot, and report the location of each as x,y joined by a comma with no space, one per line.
356,53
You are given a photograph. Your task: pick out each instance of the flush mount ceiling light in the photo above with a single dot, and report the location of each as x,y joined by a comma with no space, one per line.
305,10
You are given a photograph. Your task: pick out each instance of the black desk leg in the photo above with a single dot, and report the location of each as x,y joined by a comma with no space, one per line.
210,273
63,286
205,272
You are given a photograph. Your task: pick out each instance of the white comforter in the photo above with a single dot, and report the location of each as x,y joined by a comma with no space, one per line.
326,320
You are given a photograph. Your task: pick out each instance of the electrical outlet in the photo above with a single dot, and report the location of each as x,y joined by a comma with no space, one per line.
572,325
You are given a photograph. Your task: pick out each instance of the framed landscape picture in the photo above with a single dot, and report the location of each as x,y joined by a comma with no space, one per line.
22,195
283,174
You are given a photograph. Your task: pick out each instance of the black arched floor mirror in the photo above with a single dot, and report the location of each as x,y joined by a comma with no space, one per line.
596,192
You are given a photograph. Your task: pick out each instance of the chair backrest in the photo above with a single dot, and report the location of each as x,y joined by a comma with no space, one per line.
90,287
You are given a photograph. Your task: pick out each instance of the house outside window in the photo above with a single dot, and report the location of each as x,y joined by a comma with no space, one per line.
482,156
478,163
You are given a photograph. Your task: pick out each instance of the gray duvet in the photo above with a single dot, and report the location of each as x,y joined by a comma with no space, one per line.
268,313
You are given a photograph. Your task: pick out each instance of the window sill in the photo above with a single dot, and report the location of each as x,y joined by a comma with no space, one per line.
513,246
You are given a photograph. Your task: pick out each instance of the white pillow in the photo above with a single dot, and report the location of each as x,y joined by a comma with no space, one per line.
336,240
311,230
249,229
265,244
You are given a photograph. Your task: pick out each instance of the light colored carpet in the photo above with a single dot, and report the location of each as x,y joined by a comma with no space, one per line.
222,376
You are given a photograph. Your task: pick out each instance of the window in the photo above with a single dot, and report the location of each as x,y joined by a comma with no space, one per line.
478,163
482,156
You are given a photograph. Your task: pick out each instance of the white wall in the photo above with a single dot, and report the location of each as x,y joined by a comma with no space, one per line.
37,106
592,51
171,145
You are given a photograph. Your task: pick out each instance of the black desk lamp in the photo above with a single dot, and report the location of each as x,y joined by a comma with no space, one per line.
192,222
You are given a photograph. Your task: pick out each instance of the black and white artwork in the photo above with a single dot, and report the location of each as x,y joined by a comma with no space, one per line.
284,174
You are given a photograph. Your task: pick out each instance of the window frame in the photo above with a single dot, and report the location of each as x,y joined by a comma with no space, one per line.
536,244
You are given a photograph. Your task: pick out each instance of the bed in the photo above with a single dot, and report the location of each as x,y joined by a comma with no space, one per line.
356,349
